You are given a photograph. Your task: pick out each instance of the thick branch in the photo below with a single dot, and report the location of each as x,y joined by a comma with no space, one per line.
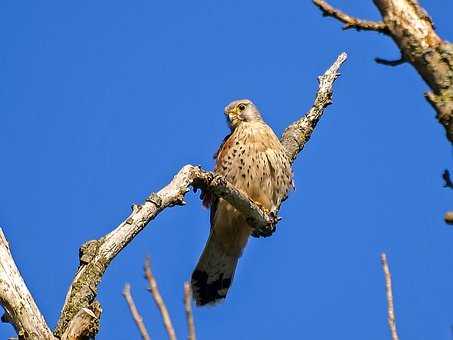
349,21
96,255
413,31
388,288
135,313
85,324
299,132
20,308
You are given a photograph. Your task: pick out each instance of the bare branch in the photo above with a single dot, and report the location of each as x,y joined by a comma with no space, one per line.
135,313
392,63
349,21
20,307
413,31
299,132
96,255
188,309
388,288
159,300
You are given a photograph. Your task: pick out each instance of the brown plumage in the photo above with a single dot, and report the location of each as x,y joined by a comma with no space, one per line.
253,160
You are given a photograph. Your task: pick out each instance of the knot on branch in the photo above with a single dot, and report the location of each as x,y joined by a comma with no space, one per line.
155,199
88,251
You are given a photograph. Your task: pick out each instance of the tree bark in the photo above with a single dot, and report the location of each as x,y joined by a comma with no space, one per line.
411,28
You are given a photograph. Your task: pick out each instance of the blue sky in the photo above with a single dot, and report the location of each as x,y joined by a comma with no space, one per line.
102,102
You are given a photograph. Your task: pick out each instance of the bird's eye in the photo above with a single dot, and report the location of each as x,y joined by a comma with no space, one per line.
241,107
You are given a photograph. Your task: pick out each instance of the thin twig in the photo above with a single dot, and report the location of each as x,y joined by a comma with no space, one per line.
349,21
390,307
135,313
393,63
188,309
159,300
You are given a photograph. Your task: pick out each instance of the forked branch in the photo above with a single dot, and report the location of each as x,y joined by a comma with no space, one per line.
349,21
80,305
413,31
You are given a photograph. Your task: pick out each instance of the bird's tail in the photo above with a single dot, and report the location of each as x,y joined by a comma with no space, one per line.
214,273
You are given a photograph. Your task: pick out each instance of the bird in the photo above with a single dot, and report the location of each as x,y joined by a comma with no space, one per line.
251,158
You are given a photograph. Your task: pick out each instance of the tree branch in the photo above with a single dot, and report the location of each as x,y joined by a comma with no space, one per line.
20,307
349,21
388,288
85,324
135,313
393,63
298,133
154,289
188,309
96,255
413,31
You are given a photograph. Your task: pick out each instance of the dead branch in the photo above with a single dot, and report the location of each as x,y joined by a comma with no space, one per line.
349,21
96,255
188,309
298,133
135,313
413,31
80,313
85,324
20,307
154,289
388,288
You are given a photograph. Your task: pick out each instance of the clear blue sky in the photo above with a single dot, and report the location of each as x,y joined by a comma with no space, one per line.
101,102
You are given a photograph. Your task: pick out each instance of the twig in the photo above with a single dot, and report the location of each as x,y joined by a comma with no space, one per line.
349,21
392,63
388,287
298,133
411,28
188,309
96,255
20,307
135,313
159,300
446,176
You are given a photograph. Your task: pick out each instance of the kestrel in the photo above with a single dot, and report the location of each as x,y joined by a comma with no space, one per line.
253,160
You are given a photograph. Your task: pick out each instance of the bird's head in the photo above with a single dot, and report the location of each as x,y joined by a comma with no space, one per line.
242,110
